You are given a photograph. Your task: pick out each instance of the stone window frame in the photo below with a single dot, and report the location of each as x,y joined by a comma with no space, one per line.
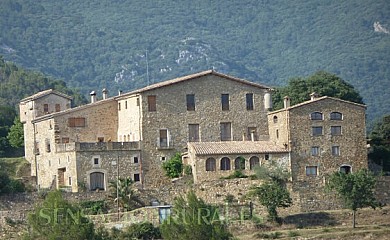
316,116
336,130
135,159
93,160
311,171
136,177
211,164
315,151
239,163
335,150
314,133
346,166
225,164
338,116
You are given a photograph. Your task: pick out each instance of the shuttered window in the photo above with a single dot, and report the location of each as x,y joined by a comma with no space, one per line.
76,122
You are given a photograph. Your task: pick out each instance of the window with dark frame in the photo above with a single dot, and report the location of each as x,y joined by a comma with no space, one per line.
96,161
136,177
249,101
135,159
311,171
316,131
46,108
225,102
226,131
190,98
335,130
76,122
316,116
315,151
193,133
152,104
336,116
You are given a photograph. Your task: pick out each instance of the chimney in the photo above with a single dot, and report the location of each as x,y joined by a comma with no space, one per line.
93,96
119,92
105,93
313,96
286,101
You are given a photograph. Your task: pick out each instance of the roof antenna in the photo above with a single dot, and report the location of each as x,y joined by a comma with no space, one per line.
147,67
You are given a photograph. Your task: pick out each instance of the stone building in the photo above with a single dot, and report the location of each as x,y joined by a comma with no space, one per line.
218,122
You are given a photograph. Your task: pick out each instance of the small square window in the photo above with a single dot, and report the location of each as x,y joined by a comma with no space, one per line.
317,131
336,150
335,130
135,159
136,177
315,151
311,171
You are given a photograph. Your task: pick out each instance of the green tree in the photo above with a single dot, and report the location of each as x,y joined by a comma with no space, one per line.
174,166
144,230
380,143
355,189
7,116
323,83
273,193
128,198
15,134
55,217
192,218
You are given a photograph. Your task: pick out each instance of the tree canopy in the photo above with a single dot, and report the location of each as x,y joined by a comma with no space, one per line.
380,143
355,189
323,83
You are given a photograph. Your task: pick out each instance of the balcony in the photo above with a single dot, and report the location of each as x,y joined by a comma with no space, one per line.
96,146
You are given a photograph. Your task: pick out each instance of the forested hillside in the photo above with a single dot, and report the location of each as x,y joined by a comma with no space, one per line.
127,44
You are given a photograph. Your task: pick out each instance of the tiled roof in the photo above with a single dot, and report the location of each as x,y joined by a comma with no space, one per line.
193,76
317,100
44,93
235,147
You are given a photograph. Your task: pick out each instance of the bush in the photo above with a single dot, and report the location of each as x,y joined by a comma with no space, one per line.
9,185
144,230
94,207
188,170
236,174
173,167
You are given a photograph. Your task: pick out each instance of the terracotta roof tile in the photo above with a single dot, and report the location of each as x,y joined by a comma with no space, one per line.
235,147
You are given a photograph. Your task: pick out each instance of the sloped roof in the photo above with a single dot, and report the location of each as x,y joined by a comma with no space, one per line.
317,100
190,77
45,93
235,147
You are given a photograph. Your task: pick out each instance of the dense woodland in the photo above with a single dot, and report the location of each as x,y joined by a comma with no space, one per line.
127,44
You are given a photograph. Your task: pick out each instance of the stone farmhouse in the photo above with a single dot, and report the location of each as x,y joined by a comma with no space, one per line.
218,123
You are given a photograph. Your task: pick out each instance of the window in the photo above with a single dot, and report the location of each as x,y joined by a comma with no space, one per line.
152,103
226,131
76,122
137,101
225,163
316,116
336,150
119,106
193,133
58,107
335,130
96,181
70,181
65,140
136,177
311,171
275,119
125,104
95,161
317,131
249,101
225,102
48,148
252,134
345,169
163,138
266,156
100,139
315,151
253,162
46,108
135,159
336,116
239,163
277,133
210,164
190,102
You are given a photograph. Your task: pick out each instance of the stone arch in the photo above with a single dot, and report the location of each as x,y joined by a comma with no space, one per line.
253,162
225,163
210,164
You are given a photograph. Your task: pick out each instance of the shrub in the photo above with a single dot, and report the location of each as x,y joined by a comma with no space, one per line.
188,170
173,167
144,230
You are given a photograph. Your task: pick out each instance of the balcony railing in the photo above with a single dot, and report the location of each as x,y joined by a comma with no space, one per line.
96,146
